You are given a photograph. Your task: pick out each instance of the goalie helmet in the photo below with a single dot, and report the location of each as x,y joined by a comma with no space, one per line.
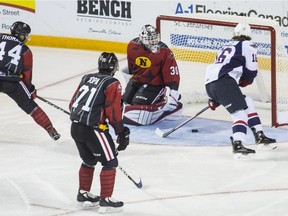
21,31
150,38
108,63
242,29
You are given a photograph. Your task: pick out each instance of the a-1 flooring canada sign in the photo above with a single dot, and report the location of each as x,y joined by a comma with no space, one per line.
116,10
187,8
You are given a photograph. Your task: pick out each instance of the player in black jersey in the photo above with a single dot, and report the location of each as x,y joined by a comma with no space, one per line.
96,100
16,62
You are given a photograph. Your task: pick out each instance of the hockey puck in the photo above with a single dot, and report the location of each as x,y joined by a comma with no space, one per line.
194,130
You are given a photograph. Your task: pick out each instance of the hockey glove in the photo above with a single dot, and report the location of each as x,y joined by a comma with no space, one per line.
213,104
171,97
123,139
243,82
33,92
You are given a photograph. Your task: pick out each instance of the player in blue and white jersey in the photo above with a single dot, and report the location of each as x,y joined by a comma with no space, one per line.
236,66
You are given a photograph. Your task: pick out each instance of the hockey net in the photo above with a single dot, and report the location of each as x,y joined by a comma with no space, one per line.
195,40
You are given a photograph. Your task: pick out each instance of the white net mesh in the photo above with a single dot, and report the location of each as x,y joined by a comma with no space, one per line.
195,46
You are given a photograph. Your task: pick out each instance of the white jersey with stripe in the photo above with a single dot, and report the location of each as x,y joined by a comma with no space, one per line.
237,58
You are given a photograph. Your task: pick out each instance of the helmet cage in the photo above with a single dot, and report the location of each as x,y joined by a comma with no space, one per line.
150,38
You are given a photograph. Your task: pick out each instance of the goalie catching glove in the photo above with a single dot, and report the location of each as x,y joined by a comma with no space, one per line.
123,139
213,104
171,97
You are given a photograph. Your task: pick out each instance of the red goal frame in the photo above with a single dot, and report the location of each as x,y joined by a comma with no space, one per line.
233,24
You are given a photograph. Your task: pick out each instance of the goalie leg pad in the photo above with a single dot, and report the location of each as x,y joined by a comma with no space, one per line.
175,114
141,115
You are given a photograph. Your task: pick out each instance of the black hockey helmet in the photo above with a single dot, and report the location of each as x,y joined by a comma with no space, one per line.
108,63
20,30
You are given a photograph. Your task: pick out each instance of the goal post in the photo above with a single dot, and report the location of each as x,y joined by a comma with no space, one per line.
195,40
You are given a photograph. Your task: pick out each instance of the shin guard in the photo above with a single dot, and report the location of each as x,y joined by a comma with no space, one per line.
107,180
41,118
85,177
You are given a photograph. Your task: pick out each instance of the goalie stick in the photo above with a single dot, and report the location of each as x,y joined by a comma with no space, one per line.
165,134
138,185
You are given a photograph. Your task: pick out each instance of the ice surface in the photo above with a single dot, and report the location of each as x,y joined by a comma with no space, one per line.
184,174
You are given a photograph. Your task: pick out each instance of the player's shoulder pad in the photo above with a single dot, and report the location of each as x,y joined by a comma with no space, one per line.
162,45
116,82
253,45
136,40
247,43
110,79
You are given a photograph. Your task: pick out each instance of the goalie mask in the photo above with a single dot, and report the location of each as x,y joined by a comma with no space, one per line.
150,38
108,63
21,31
242,29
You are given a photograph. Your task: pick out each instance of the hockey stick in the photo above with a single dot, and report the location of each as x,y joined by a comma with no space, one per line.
138,185
53,105
165,134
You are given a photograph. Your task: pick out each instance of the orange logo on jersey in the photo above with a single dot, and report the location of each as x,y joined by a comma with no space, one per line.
143,62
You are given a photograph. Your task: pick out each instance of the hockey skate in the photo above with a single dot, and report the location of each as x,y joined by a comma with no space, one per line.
53,133
239,150
108,205
262,141
87,199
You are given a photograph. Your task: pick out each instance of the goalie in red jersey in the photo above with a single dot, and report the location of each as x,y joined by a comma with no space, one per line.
152,91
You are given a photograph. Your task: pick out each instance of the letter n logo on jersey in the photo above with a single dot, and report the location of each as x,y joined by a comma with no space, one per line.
143,62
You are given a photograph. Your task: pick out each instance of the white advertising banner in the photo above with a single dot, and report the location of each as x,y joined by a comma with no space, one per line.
113,20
